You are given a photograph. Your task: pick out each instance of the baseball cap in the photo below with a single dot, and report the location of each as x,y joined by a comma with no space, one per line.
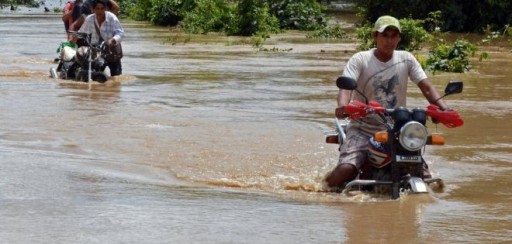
385,21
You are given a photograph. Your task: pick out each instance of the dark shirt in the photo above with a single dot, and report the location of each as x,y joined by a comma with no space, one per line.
86,8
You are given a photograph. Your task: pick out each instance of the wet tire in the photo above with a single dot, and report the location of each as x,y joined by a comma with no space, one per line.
99,77
382,175
81,75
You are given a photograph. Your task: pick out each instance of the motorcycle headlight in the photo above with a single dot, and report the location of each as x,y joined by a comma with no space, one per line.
413,136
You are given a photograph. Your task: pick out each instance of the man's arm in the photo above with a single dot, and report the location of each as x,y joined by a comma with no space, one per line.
77,24
114,7
430,92
68,12
343,99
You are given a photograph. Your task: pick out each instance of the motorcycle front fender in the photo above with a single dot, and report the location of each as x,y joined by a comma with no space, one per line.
417,185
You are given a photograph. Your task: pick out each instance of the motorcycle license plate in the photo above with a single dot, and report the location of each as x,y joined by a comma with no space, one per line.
408,159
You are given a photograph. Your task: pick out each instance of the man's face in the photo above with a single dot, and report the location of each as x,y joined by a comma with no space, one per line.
99,9
388,40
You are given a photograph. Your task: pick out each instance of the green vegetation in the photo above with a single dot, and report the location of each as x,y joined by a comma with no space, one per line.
505,34
254,19
261,18
15,3
298,14
329,32
242,17
457,16
451,57
208,16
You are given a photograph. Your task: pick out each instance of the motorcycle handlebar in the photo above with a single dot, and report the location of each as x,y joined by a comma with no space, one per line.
449,118
357,109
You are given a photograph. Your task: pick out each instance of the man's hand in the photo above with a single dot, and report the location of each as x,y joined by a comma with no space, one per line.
340,112
112,42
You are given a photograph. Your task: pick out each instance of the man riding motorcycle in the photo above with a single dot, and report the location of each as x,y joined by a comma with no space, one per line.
382,74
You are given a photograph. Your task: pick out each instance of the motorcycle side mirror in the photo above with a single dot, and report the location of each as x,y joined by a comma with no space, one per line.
346,83
453,87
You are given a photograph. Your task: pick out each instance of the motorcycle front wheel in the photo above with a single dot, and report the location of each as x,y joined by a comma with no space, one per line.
99,77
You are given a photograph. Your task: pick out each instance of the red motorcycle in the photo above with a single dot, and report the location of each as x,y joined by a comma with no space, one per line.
395,158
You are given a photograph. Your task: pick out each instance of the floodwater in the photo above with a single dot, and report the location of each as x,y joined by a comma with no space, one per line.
205,139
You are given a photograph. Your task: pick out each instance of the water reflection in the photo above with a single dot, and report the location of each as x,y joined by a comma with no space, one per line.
394,222
95,91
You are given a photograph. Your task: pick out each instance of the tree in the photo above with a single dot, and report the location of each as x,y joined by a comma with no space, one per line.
456,15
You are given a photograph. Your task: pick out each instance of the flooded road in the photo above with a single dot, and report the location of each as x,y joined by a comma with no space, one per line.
205,139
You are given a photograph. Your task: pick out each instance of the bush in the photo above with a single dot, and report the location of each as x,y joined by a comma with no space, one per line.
241,17
451,58
330,32
457,16
165,12
255,19
136,9
208,16
298,14
158,12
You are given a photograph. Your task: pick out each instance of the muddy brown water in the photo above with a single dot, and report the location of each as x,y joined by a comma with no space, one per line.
205,139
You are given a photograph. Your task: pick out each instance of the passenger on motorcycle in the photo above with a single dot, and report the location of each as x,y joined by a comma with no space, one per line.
104,26
67,14
83,8
71,43
382,74
67,50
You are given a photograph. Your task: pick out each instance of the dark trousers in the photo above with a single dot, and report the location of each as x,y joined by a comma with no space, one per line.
115,68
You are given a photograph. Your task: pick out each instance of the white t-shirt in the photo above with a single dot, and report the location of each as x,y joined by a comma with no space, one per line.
385,83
